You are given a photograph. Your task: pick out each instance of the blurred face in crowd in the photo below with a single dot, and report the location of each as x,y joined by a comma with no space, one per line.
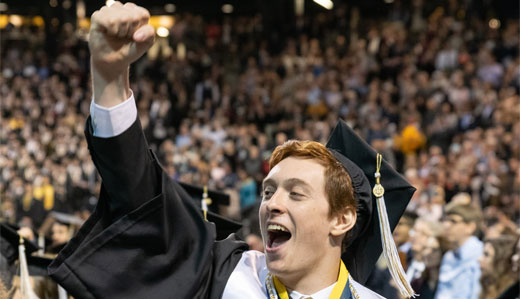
420,235
431,253
515,259
487,258
294,218
60,233
456,230
402,231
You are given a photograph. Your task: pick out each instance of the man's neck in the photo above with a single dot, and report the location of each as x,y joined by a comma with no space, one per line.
319,277
461,242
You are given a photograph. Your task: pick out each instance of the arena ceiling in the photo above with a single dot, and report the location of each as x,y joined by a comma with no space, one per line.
213,8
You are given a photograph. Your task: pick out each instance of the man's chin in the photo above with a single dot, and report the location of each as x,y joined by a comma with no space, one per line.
275,266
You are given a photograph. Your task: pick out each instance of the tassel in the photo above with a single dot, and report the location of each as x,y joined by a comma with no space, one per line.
26,290
205,202
389,248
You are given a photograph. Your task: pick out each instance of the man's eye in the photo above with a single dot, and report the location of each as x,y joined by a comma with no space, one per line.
267,193
295,194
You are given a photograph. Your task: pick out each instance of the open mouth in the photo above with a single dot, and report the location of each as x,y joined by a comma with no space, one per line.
277,235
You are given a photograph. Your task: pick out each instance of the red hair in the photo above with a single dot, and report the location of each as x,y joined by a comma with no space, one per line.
338,186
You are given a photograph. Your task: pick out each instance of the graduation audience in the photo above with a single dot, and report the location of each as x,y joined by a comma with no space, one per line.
435,92
497,271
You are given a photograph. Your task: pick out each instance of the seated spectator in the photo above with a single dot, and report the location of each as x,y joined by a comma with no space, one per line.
460,270
423,271
495,263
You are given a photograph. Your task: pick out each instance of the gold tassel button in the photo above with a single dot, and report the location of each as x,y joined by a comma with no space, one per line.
378,190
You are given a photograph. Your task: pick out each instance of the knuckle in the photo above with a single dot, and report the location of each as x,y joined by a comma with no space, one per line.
144,13
111,22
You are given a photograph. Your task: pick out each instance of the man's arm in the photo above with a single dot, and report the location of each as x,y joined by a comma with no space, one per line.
118,36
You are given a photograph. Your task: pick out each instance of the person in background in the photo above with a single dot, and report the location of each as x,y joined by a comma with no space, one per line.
514,290
423,271
460,270
495,263
401,236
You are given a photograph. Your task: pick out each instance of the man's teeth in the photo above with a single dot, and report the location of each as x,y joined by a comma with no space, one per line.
277,227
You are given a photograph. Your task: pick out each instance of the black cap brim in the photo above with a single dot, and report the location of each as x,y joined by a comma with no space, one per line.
10,241
365,248
37,265
218,198
224,226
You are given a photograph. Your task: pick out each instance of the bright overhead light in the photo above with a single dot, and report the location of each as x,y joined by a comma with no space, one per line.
16,20
227,8
325,3
169,8
494,23
163,32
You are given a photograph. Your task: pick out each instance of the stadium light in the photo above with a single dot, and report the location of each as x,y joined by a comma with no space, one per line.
16,20
169,8
299,7
163,31
227,8
494,23
325,3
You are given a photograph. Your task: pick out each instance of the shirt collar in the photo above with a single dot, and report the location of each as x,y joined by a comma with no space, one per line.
321,294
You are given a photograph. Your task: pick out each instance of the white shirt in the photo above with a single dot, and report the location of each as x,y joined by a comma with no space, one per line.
248,281
110,122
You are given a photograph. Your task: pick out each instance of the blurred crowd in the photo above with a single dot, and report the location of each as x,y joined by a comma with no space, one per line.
436,91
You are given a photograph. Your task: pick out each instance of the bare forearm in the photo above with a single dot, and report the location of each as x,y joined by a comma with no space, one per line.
111,92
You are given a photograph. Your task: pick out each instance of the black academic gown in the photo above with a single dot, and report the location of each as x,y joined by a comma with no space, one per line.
146,238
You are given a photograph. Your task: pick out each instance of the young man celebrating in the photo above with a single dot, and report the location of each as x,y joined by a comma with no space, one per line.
147,238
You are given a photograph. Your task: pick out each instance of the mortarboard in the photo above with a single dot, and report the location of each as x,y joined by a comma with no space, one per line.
223,225
377,216
217,197
9,243
67,219
38,265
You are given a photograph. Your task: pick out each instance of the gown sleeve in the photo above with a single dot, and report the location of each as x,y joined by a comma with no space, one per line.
146,237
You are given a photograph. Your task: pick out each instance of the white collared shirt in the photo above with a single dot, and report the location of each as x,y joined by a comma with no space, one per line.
110,122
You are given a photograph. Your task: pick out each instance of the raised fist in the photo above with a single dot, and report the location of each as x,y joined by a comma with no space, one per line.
119,35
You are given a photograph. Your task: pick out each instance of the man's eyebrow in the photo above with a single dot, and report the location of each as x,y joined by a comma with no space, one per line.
298,182
268,181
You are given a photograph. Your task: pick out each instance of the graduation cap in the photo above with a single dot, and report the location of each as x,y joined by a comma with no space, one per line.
38,265
13,248
210,198
10,240
67,219
382,196
217,197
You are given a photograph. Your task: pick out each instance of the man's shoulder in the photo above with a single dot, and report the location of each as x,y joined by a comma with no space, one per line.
248,277
364,292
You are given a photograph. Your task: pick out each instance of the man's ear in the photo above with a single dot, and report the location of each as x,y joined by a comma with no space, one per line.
343,222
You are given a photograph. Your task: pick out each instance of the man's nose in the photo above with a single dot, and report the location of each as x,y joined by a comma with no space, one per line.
276,204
